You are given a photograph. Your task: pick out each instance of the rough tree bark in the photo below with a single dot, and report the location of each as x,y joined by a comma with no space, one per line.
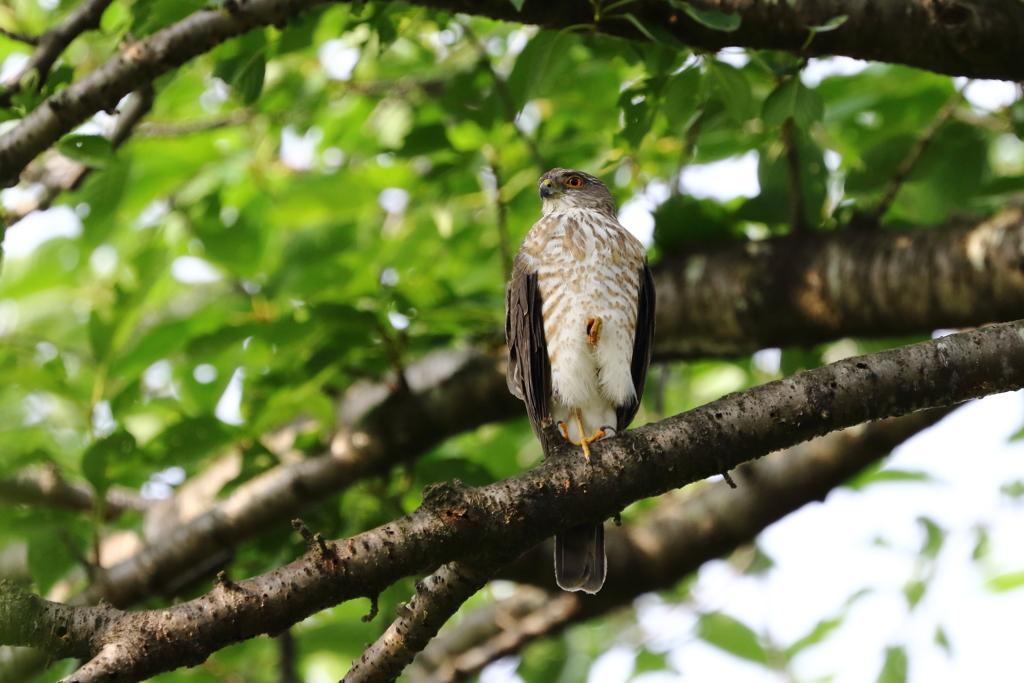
455,522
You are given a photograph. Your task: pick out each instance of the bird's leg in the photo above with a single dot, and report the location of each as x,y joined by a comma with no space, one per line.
585,441
594,326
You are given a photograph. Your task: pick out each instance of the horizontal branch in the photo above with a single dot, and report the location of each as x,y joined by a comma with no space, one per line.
47,487
809,289
974,38
455,522
666,545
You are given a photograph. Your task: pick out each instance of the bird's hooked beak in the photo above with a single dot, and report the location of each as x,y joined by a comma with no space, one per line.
547,190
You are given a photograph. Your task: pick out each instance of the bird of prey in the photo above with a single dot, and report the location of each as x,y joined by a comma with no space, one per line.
579,324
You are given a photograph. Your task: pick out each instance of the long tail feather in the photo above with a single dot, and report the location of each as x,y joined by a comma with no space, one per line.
580,563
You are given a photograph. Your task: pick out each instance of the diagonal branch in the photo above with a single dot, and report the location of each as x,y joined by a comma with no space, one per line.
47,487
437,598
455,521
908,163
51,44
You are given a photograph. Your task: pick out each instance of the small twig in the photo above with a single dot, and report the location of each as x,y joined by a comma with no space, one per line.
728,479
907,165
167,129
797,210
20,37
51,44
47,487
687,155
501,214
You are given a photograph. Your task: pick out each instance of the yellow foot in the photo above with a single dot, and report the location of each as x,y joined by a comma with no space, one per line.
586,440
594,326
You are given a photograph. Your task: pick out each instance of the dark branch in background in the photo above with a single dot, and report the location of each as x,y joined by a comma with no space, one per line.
809,289
47,487
20,37
286,665
455,522
667,544
797,210
975,38
908,163
69,175
51,44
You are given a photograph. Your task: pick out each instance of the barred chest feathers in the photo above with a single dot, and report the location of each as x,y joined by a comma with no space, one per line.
588,266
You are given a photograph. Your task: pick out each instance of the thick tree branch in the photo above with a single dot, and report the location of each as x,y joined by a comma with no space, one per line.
669,543
805,290
455,522
976,38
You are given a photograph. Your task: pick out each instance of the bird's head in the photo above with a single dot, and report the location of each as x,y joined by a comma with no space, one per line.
563,189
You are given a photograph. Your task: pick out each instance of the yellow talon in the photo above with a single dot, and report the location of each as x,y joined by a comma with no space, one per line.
584,440
594,326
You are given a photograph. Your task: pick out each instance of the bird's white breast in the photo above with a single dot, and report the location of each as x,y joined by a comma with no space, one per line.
588,266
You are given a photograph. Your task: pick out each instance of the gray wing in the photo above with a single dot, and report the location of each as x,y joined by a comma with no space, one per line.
529,371
643,339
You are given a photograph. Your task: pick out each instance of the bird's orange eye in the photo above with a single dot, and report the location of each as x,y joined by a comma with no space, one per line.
574,181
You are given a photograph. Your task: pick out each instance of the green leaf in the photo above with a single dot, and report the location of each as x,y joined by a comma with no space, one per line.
49,559
104,454
518,4
792,99
101,335
650,661
245,68
1006,582
913,591
731,86
830,25
934,537
90,150
780,104
732,636
152,15
894,670
877,475
817,634
682,98
942,640
638,114
719,21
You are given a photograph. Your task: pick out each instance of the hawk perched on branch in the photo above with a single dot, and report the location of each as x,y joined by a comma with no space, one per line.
579,322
